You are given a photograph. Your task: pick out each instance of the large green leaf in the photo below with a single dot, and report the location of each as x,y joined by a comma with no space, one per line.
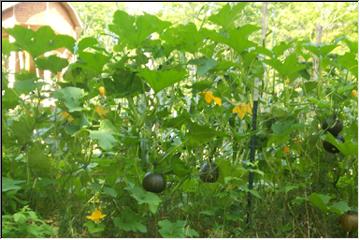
23,129
172,229
104,135
88,65
321,50
320,201
204,65
347,148
159,80
9,184
183,37
40,164
93,227
93,61
339,208
10,99
71,97
53,63
290,68
7,47
228,15
236,38
178,121
349,61
199,134
85,43
144,197
124,83
176,229
129,221
134,30
40,41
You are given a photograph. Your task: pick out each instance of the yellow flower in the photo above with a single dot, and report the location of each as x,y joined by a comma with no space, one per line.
101,111
354,93
102,91
67,116
286,150
242,109
96,216
209,97
217,101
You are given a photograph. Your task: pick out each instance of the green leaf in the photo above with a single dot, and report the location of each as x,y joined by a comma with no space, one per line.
189,232
203,64
172,229
352,45
19,218
280,48
40,164
159,80
290,68
41,41
134,30
320,201
123,83
72,97
104,135
322,50
349,61
289,188
94,227
10,99
92,62
179,167
347,148
25,86
228,15
190,185
22,129
129,221
53,63
200,134
9,184
26,82
339,208
235,38
85,43
7,47
110,192
144,197
183,37
200,86
178,121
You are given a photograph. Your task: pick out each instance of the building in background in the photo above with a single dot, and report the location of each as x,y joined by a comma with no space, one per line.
60,16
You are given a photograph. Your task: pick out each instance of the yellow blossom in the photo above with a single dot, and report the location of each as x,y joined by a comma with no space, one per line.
217,101
242,109
101,111
286,150
209,97
67,116
102,91
96,216
354,93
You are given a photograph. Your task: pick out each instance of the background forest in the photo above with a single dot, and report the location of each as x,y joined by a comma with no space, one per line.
150,131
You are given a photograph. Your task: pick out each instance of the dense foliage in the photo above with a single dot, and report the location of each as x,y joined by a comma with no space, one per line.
176,101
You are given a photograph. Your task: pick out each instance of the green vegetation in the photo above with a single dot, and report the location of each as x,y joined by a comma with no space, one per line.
151,131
